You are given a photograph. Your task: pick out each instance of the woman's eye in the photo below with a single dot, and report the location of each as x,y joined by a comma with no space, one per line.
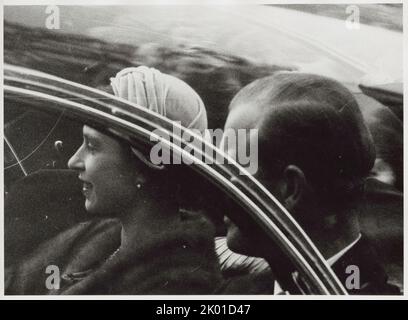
89,146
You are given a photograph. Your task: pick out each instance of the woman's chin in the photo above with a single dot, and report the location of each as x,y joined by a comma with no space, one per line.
96,209
90,207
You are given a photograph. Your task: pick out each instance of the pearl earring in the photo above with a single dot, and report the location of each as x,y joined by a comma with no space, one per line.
138,186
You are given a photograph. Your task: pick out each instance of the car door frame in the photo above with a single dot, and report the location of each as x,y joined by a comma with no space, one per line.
136,124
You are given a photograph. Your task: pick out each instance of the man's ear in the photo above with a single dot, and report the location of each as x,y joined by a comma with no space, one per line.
295,184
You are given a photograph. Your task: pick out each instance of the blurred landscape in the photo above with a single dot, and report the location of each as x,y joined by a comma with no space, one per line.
216,49
89,61
387,16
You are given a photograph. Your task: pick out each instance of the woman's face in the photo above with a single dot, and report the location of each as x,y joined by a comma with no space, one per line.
107,172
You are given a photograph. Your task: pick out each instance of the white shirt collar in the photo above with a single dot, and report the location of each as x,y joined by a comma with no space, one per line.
332,260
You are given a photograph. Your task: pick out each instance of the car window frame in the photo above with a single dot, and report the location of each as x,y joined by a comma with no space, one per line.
134,122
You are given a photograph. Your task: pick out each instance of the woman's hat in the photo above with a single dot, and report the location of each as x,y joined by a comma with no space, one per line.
161,93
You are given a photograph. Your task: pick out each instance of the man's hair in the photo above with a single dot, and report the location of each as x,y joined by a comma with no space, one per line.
312,122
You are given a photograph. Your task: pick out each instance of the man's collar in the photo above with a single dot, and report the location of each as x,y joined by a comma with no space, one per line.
332,260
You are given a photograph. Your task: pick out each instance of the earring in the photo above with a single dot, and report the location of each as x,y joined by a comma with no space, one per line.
139,185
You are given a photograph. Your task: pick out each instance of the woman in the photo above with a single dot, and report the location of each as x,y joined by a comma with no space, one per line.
162,249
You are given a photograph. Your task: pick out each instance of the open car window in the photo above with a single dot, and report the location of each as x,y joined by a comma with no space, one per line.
63,107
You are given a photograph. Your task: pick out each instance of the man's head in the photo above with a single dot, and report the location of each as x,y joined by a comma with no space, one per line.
314,148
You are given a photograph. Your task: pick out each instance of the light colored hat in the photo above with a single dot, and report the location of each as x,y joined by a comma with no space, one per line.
161,93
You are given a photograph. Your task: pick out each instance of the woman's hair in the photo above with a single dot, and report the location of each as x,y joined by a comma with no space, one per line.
312,122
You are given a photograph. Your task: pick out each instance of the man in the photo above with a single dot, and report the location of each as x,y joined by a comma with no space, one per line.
314,155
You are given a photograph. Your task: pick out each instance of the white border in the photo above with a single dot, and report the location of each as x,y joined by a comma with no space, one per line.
192,2
206,297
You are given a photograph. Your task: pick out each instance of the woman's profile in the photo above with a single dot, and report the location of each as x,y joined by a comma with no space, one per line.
163,249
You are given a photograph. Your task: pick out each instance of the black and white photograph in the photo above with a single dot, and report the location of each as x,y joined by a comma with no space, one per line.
203,149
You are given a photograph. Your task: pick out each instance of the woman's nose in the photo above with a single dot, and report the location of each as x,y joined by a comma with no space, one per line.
76,162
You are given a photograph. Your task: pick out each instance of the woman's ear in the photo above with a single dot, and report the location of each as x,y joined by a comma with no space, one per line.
293,186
